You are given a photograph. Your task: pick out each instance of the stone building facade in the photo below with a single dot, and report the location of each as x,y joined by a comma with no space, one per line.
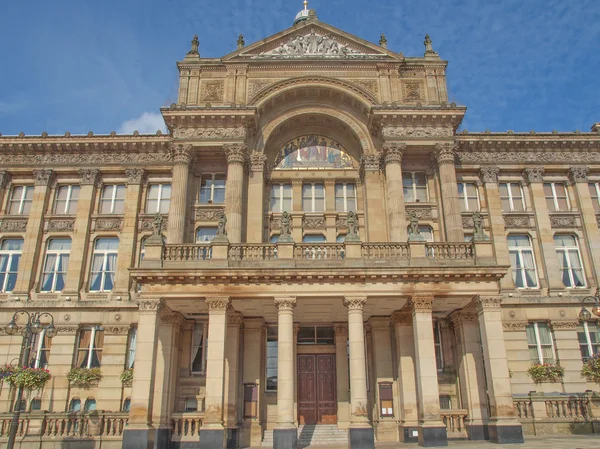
313,245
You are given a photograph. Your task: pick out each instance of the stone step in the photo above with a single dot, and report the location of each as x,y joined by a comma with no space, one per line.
314,435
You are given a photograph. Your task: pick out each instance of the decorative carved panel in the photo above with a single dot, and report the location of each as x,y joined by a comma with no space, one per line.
61,225
517,221
421,213
238,132
368,85
8,225
212,90
314,222
108,224
146,223
413,91
208,214
563,221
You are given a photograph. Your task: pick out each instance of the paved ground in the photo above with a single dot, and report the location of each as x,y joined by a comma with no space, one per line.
558,442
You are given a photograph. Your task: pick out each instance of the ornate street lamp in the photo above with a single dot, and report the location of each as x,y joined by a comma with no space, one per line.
584,314
32,327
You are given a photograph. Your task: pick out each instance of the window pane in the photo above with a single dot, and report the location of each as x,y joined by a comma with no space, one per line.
107,243
503,188
206,234
12,244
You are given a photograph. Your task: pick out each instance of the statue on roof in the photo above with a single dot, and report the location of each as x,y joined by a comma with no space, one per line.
241,42
195,45
428,46
383,41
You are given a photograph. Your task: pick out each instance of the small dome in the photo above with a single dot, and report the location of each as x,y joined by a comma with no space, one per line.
301,16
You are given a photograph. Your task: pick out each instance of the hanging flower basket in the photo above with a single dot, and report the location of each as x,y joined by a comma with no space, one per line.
546,372
28,378
591,369
127,377
6,371
84,377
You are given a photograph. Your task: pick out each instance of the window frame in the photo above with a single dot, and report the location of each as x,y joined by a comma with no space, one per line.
313,197
538,343
58,253
10,253
567,249
113,199
511,198
40,348
555,197
596,196
438,345
464,198
68,201
105,255
203,345
274,338
593,351
344,197
281,197
160,198
519,251
414,186
131,348
22,200
91,347
213,176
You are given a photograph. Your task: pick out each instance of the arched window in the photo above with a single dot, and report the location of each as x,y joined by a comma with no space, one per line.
56,264
104,264
569,260
90,405
75,405
522,261
10,254
127,404
36,404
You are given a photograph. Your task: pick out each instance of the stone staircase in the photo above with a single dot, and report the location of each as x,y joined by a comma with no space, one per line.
314,436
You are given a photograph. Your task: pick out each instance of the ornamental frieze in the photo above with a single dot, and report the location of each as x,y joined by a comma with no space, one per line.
420,213
516,221
61,225
513,326
314,223
13,225
563,325
238,132
123,158
256,86
147,224
117,330
527,157
467,222
563,221
390,132
208,214
341,223
368,85
108,224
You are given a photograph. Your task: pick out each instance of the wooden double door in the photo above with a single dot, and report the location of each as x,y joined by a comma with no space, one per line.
317,402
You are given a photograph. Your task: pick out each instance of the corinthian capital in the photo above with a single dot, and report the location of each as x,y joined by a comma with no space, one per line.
355,302
89,176
258,161
578,174
218,305
393,152
235,153
534,174
489,174
43,177
4,178
421,304
369,162
445,153
483,303
135,175
182,154
285,303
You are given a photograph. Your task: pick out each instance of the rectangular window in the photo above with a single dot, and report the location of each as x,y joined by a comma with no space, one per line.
104,264
281,198
250,401
386,400
10,255
66,200
131,348
595,194
556,196
569,260
56,265
20,200
522,261
437,339
112,200
271,369
212,188
345,197
588,334
159,199
541,345
313,198
316,335
199,339
415,187
468,196
89,348
41,347
511,197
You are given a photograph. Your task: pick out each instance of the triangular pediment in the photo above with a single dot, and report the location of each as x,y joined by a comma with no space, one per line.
312,40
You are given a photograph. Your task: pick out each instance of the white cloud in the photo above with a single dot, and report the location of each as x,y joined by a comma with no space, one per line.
147,123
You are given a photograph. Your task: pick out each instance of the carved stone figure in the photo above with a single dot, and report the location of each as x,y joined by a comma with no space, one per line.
222,222
428,46
286,228
383,41
352,225
157,224
478,233
195,45
312,44
414,235
241,42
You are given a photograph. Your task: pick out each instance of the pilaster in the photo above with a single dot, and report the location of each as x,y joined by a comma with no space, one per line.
232,416
395,191
342,379
253,354
445,155
566,343
182,156
256,198
373,194
4,183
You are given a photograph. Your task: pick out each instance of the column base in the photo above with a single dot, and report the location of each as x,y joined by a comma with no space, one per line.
250,434
409,433
433,436
477,432
506,433
213,438
361,438
285,438
146,438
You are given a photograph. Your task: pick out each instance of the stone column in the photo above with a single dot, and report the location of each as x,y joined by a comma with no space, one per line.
256,198
4,182
232,374
32,241
395,192
471,372
504,426
578,176
80,239
236,158
405,349
549,259
489,177
129,230
139,432
212,432
285,434
432,431
450,203
360,434
373,206
253,354
342,380
182,156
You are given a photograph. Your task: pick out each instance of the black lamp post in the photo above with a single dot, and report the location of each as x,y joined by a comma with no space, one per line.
584,314
32,327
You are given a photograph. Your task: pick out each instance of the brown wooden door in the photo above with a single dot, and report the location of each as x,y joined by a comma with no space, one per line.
316,389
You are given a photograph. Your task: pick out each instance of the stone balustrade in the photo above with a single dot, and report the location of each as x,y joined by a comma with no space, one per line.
311,251
455,422
186,426
254,251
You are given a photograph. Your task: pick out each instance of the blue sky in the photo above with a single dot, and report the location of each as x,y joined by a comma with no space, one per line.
80,65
